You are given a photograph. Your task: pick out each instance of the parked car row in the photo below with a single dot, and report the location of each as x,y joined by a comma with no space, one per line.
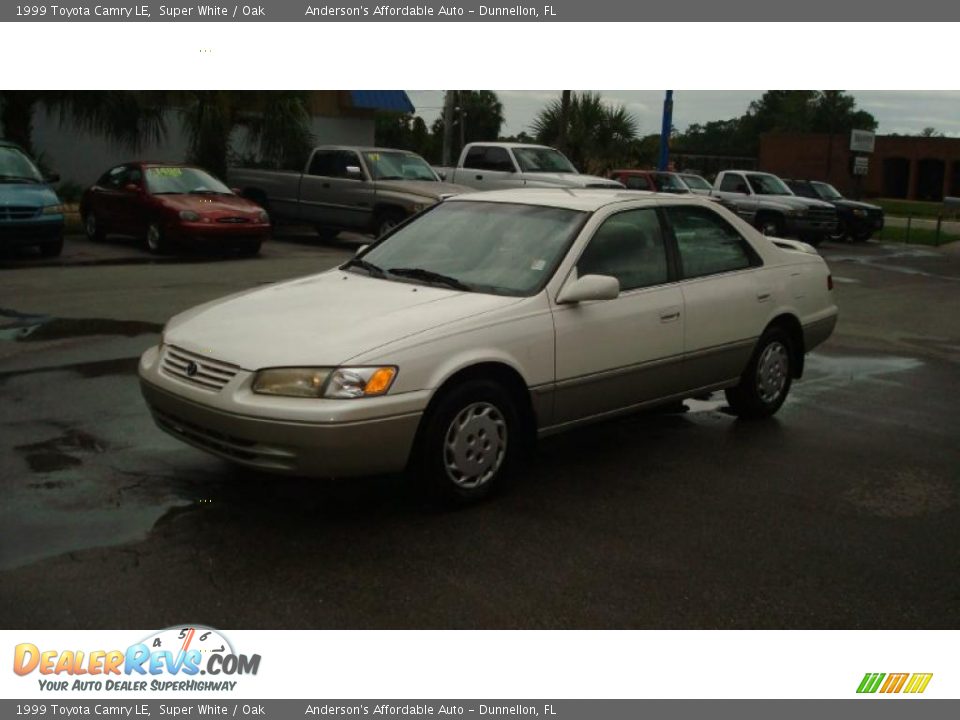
372,190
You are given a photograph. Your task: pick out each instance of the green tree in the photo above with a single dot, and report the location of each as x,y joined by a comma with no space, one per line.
478,116
274,125
598,135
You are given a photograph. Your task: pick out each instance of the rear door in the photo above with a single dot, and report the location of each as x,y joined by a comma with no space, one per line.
617,353
724,299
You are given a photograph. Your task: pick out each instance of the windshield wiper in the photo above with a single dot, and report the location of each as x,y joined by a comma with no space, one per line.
429,276
374,270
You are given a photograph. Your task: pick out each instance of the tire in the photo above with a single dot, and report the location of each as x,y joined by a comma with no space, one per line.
52,249
841,234
93,227
862,235
327,234
815,240
251,248
156,242
387,221
765,383
770,225
477,419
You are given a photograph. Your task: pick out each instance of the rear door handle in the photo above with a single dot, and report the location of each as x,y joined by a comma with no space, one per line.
763,296
670,316
325,185
479,177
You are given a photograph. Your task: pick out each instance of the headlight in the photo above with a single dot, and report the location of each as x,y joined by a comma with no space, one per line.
53,210
189,216
263,217
797,212
859,213
348,382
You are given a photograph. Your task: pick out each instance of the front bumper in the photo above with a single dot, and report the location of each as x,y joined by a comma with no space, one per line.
341,439
803,225
219,234
31,232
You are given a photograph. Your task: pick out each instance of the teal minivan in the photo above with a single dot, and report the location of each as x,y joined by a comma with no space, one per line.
30,210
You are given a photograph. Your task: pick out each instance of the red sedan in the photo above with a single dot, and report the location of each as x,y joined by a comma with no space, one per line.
170,204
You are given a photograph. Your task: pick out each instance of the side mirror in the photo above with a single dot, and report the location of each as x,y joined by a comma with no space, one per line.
131,188
360,250
53,178
354,173
236,191
590,287
442,175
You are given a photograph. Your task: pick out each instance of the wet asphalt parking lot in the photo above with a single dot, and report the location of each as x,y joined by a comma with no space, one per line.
841,512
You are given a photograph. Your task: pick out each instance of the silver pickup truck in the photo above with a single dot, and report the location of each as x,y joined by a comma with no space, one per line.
504,166
364,189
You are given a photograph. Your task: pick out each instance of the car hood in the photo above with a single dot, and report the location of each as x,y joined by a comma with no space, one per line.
568,180
424,188
27,195
855,205
320,320
216,205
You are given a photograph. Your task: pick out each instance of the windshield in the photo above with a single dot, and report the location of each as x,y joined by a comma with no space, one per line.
696,182
767,185
14,165
542,159
666,182
826,191
398,166
490,247
167,180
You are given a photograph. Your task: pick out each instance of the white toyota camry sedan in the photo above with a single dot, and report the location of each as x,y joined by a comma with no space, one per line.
485,321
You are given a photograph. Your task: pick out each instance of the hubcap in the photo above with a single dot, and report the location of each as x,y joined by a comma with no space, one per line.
769,228
772,371
91,226
386,226
475,445
153,237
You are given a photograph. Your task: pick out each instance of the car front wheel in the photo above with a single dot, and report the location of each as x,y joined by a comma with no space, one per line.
765,383
470,442
156,243
93,227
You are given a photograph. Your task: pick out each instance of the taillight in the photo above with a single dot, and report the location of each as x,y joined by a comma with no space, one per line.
829,281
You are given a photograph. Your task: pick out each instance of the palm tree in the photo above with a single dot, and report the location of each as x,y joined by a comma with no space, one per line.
274,124
598,135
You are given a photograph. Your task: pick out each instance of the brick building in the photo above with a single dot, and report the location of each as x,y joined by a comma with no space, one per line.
914,168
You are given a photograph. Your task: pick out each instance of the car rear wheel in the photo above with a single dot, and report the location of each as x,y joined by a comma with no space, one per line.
841,233
862,235
765,383
93,227
156,242
470,442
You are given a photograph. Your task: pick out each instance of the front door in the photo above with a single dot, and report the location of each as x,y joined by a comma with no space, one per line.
617,353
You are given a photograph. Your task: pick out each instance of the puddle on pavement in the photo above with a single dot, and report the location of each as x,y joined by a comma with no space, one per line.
22,327
60,453
92,369
826,369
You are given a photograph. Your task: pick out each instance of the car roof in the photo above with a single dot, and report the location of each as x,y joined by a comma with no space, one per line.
582,199
511,144
364,148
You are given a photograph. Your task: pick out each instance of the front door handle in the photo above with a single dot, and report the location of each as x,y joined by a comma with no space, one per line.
670,316
763,296
479,177
325,185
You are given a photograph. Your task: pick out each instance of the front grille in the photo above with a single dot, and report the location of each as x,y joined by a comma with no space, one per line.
821,214
196,369
233,220
17,212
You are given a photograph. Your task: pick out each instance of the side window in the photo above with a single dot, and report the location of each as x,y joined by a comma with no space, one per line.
802,189
113,178
637,182
630,247
343,159
321,163
487,157
707,243
134,176
733,183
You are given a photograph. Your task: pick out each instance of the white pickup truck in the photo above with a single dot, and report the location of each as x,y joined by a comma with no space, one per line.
503,166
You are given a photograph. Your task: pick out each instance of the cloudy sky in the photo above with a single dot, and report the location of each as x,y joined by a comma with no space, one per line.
897,111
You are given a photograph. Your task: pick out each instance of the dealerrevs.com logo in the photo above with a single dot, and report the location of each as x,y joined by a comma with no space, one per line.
171,660
910,683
